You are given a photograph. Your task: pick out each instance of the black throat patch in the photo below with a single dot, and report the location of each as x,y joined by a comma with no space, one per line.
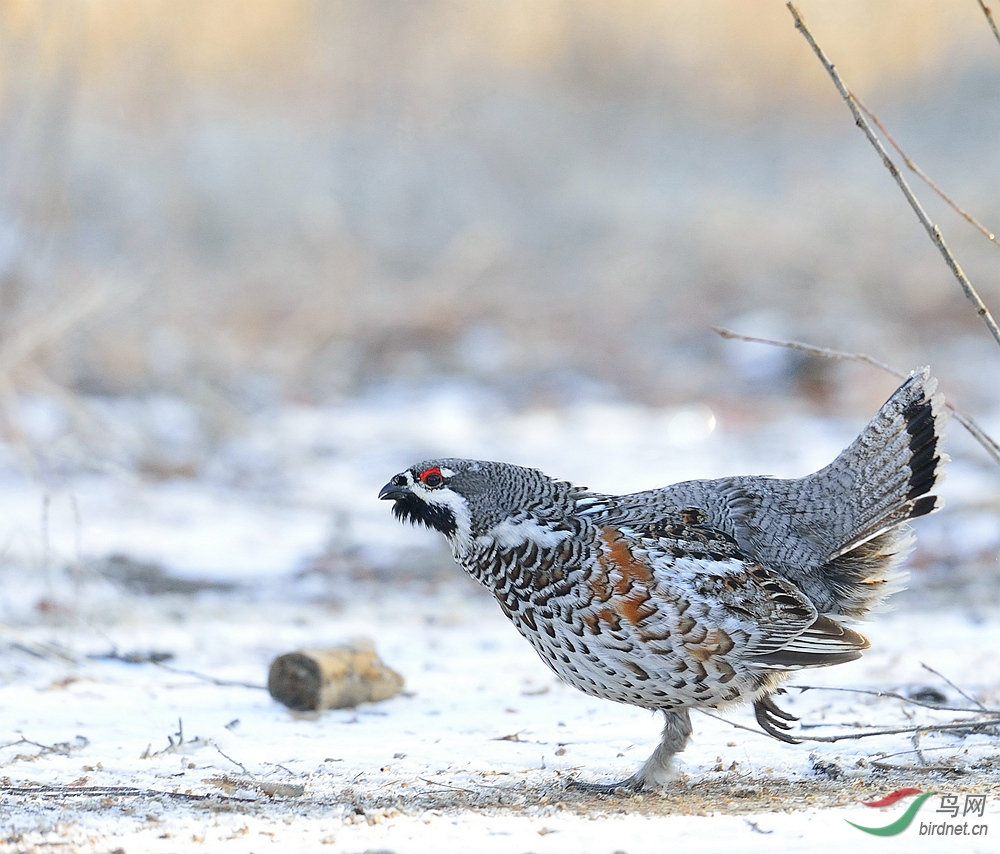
419,512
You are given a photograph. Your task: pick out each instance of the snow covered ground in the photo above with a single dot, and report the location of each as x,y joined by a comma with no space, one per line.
276,541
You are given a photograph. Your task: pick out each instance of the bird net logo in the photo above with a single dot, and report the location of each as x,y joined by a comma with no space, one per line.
962,821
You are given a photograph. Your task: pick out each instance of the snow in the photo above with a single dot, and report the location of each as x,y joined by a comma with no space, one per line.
476,753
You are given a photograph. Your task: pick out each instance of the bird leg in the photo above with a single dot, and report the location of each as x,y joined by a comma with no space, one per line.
660,768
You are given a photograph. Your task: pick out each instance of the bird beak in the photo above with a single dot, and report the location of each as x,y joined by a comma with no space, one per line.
391,492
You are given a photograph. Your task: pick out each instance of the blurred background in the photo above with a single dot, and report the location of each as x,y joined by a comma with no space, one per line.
297,200
211,212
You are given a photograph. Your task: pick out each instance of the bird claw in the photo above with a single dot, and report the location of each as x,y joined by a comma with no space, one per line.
774,721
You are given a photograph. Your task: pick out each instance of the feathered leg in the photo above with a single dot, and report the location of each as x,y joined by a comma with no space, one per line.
660,768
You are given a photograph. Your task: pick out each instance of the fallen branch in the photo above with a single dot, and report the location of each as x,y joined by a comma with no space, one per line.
977,433
931,228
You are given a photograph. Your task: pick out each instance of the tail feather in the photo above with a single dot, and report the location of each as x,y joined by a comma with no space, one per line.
891,467
840,534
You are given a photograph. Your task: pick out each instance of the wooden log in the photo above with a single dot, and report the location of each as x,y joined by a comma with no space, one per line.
334,678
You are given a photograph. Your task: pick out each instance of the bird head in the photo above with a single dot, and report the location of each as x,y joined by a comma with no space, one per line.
435,494
465,499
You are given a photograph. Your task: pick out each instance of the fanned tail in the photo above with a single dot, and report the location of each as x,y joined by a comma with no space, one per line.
888,471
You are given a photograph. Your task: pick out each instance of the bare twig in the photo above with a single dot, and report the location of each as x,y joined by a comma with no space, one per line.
924,769
43,650
955,725
811,349
885,756
458,788
930,669
176,743
872,733
111,792
446,786
62,748
932,229
894,696
240,765
923,175
214,680
988,12
977,432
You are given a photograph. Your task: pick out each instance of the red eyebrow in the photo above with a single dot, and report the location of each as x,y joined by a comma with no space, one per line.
433,470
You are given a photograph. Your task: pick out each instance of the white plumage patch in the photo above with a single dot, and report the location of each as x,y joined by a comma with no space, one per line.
509,534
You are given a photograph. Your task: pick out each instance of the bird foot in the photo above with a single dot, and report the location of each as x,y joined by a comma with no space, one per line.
774,721
631,785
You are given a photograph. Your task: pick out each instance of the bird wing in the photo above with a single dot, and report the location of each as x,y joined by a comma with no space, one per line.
779,627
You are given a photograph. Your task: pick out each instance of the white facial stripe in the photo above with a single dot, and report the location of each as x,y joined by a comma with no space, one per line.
445,497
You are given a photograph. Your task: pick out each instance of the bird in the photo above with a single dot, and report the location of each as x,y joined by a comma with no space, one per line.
704,594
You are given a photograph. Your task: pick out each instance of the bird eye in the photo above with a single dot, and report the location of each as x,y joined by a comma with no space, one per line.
432,477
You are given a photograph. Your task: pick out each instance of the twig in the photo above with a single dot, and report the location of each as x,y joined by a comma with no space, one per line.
459,788
957,725
989,17
226,683
151,657
811,349
893,696
849,736
447,786
924,769
43,650
904,752
953,685
111,792
240,765
174,746
932,230
924,176
977,432
62,748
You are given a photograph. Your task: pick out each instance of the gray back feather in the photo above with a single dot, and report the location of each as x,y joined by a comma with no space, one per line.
808,528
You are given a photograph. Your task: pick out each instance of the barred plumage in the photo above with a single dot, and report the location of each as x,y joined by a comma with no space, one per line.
702,594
